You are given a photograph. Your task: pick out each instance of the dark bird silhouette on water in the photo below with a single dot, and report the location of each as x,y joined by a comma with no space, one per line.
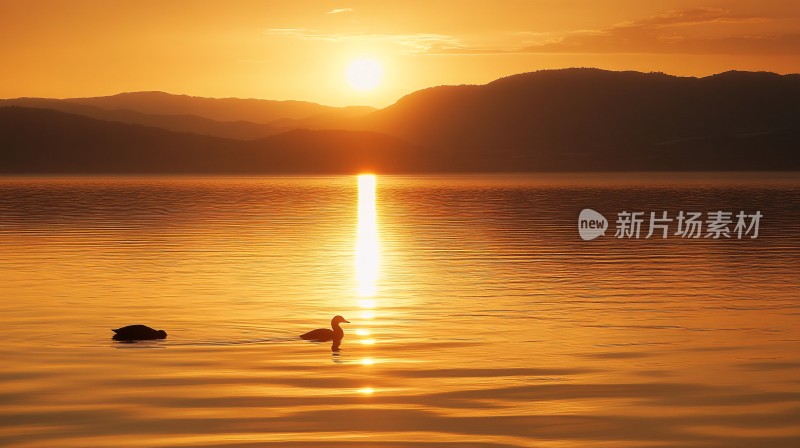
138,333
335,333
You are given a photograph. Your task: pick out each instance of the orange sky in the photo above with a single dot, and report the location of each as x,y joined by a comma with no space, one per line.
301,49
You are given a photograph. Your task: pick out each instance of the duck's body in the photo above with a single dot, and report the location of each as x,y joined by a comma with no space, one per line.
138,333
335,333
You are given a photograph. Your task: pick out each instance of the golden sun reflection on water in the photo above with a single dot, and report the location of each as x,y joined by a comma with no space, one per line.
367,242
366,390
367,303
367,256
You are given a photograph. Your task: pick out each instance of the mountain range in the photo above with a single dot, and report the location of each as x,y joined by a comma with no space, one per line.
551,120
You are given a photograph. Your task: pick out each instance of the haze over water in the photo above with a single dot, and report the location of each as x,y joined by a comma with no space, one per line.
479,316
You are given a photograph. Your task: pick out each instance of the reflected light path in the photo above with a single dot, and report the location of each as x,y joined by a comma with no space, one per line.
367,244
366,390
367,261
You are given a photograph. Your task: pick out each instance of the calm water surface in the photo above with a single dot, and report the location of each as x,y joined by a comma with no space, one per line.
479,317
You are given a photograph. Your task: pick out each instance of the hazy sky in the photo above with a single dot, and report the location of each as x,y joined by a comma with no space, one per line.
301,49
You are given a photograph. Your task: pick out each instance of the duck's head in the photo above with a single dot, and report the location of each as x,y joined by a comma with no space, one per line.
338,320
161,334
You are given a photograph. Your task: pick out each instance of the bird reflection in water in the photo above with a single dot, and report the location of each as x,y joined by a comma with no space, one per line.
335,333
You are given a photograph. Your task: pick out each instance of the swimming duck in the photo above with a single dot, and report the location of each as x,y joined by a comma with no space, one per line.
325,334
137,333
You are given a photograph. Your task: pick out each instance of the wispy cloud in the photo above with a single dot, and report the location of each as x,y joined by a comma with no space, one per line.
674,32
695,16
339,10
412,42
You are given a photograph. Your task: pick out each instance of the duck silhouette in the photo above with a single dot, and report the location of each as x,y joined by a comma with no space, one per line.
138,333
335,333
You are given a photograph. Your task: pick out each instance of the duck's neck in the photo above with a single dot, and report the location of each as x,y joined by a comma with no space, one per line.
338,333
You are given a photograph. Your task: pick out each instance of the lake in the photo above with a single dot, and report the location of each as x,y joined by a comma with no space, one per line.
479,317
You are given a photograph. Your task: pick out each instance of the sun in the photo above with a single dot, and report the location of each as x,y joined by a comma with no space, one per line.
364,74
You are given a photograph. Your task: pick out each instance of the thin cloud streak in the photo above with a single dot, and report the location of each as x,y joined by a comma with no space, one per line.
339,10
661,34
414,42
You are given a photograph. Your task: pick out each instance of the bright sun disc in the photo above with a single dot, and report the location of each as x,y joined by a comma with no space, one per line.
364,74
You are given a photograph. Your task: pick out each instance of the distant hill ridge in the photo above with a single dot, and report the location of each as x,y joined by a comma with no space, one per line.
241,119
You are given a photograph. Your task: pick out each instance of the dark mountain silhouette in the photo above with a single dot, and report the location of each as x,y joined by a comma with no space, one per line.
51,142
553,120
590,119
